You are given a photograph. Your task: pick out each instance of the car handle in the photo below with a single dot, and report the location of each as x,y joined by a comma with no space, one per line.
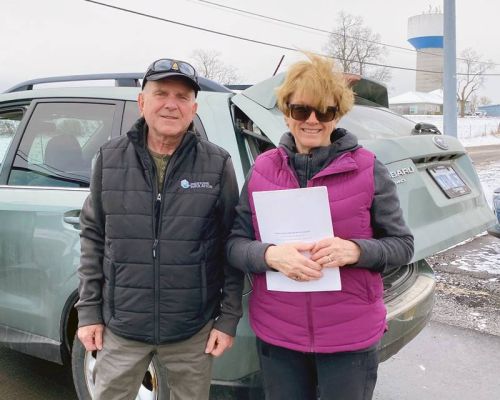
73,218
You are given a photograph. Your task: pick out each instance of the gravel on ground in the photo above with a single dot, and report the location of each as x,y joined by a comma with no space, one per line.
468,299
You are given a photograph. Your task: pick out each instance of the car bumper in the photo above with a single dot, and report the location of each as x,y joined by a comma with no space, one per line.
409,312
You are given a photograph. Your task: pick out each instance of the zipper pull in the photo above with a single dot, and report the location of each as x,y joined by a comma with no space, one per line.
155,244
158,198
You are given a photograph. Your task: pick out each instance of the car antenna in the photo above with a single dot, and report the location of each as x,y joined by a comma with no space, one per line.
279,64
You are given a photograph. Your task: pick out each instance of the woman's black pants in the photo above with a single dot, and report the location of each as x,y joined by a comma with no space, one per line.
293,375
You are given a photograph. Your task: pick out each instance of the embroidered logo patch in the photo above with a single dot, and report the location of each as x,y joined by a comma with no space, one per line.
185,184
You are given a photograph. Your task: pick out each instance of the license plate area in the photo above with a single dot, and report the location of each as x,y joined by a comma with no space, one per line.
448,181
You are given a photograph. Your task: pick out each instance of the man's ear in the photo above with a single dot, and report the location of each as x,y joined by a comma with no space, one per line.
140,103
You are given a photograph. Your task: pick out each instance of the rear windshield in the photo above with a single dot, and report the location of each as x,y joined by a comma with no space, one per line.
368,122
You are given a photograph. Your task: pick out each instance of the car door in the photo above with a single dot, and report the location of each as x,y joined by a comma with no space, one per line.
43,182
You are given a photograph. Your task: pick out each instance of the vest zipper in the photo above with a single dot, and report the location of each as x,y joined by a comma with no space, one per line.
160,204
156,229
308,164
157,222
310,322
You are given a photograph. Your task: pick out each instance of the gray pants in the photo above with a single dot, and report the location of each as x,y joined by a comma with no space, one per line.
122,363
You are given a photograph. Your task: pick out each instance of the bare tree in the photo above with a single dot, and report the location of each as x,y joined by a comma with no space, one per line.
471,77
484,101
209,65
356,46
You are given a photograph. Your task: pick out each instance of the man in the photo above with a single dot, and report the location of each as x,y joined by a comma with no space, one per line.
153,279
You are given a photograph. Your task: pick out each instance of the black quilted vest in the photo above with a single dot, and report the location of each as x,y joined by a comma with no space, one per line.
163,256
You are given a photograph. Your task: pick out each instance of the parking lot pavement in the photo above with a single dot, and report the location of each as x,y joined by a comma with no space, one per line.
28,378
443,362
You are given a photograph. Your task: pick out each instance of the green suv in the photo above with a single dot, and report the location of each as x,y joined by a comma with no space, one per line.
48,140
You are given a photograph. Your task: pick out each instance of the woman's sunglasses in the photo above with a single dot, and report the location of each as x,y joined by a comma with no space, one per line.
302,112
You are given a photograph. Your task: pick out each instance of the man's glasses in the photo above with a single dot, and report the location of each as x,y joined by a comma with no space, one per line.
302,112
168,65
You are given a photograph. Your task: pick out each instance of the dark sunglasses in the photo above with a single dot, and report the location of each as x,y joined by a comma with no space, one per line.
168,65
302,112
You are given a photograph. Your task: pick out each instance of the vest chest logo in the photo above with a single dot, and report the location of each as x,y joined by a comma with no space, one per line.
185,184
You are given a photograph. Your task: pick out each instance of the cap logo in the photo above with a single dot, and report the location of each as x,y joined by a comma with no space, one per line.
175,66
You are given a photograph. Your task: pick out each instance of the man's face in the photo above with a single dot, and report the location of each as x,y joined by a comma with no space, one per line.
168,106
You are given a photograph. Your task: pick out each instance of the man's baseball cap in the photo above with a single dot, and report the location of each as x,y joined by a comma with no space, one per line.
166,68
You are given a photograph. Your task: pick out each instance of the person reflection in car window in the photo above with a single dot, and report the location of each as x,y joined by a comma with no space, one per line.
325,342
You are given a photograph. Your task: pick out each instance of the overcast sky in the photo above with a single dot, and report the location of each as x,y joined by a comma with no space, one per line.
62,37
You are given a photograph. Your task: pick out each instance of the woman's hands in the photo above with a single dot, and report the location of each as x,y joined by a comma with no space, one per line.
287,259
327,253
335,252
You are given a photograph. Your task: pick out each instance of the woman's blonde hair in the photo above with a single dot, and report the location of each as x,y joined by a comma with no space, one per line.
316,78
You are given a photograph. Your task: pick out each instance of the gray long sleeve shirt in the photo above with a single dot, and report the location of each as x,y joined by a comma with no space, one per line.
392,244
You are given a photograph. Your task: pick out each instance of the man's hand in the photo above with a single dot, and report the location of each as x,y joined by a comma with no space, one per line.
91,336
218,342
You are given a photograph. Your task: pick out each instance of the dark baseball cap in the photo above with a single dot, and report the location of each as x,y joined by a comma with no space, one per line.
166,68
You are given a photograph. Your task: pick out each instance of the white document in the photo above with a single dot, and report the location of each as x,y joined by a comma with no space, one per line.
296,215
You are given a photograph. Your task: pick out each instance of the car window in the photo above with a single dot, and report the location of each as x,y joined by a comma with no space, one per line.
251,140
59,144
9,121
256,144
130,115
375,123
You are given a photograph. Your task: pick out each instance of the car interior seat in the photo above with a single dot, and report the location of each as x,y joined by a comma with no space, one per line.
63,153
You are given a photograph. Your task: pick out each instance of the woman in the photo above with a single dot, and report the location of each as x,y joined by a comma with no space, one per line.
322,343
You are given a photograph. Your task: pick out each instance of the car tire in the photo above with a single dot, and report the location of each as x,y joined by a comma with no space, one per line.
154,385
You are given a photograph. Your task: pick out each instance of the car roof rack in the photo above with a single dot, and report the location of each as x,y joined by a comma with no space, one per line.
129,79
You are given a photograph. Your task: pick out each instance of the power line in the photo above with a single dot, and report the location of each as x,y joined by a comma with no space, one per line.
302,26
324,31
241,37
254,40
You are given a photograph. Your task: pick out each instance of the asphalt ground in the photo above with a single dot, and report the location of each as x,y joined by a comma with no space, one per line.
443,362
481,154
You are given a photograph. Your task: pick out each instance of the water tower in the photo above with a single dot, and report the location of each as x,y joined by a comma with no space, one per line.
425,33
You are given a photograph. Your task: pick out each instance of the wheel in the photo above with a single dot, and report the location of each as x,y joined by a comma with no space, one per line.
154,384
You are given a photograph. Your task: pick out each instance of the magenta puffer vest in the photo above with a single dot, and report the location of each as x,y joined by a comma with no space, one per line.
323,322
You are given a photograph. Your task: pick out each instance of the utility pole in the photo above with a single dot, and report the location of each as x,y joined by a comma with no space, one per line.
450,70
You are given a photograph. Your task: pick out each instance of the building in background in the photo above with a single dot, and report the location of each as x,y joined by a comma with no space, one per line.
425,34
431,103
491,110
418,103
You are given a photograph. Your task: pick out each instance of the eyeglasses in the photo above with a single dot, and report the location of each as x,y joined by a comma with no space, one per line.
301,112
169,65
